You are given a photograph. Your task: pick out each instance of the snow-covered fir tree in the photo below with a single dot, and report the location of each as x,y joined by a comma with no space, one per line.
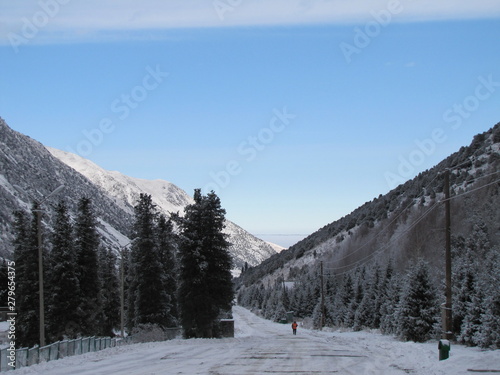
390,301
367,314
418,309
343,300
360,275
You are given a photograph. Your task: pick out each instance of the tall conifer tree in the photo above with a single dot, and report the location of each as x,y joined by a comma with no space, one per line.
418,307
87,245
63,286
167,248
151,302
205,289
109,293
27,291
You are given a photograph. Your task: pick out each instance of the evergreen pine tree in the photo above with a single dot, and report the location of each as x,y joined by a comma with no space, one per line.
206,288
285,298
489,333
418,308
167,247
279,311
131,280
378,296
463,279
472,321
343,300
27,291
481,324
366,313
109,293
152,303
357,298
273,309
311,294
390,293
292,305
87,245
317,314
123,273
476,295
62,280
269,304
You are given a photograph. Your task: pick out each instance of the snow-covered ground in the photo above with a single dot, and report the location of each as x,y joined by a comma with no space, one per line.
263,347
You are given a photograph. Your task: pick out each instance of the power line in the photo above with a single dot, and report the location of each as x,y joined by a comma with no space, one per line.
388,245
415,223
390,223
472,190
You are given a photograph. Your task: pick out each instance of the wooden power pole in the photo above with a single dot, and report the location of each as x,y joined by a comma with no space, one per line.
322,323
448,324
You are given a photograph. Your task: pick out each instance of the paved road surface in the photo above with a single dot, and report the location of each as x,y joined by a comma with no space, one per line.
260,347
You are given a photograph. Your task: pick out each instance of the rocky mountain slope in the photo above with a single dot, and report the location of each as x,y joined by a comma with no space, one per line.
38,170
28,171
406,223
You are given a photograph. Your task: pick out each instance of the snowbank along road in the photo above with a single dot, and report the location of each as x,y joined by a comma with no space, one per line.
263,347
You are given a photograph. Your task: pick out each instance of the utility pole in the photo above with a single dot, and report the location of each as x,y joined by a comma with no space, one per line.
448,327
122,295
122,290
322,323
38,210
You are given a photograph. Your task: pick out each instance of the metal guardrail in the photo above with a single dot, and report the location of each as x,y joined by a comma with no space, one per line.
60,349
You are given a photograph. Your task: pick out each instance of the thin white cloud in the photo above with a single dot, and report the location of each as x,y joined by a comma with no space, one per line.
81,20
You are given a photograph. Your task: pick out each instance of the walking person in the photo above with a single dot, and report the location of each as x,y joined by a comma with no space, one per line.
294,327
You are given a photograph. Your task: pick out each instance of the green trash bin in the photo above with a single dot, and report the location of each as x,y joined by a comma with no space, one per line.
444,349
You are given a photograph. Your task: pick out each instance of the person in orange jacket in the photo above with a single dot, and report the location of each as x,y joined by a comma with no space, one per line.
294,327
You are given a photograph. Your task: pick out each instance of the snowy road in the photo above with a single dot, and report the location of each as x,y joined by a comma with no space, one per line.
263,347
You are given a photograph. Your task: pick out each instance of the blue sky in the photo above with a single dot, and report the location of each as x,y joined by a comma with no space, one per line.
296,112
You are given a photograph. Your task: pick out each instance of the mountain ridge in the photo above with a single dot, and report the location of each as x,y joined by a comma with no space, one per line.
383,227
169,199
27,163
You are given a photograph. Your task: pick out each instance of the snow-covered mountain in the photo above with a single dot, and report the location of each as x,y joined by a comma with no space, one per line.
169,198
38,170
126,190
28,171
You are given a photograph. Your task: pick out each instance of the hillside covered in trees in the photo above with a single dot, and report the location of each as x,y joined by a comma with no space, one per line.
383,264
